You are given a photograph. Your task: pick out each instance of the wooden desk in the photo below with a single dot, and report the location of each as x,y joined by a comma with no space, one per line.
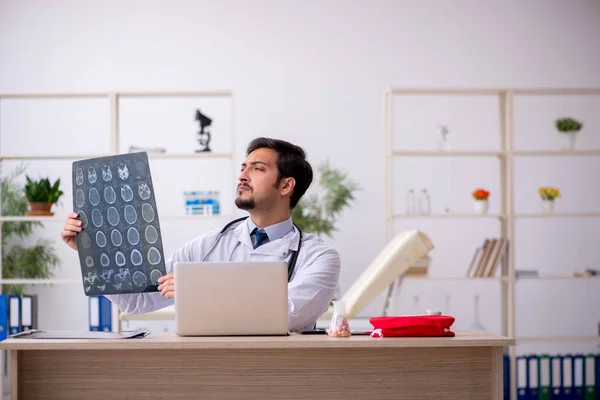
166,366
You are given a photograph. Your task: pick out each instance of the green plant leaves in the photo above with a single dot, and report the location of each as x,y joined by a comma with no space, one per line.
568,125
42,190
319,213
33,262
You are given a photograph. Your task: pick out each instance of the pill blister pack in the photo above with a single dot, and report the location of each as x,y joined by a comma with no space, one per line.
120,246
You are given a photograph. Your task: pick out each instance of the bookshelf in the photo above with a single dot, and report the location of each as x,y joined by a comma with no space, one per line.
111,142
505,154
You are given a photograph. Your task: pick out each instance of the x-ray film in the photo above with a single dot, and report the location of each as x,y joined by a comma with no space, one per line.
120,246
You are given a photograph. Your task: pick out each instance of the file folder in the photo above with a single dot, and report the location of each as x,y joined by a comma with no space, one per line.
545,378
94,312
578,377
568,392
14,314
556,371
532,376
105,314
3,316
28,312
522,374
506,377
589,382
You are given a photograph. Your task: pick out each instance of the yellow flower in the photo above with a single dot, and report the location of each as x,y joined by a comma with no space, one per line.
549,193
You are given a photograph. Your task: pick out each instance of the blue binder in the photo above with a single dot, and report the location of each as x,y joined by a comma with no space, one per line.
533,383
568,375
506,370
3,316
105,314
556,374
578,377
522,378
597,376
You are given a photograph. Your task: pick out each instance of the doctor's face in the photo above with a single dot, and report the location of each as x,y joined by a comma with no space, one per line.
258,187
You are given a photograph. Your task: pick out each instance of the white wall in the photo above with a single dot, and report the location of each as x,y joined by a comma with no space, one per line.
314,72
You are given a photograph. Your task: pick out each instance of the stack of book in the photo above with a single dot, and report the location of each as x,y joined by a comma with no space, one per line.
486,258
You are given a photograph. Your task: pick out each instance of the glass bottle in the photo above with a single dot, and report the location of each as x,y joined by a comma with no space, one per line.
424,202
476,323
411,206
339,326
442,143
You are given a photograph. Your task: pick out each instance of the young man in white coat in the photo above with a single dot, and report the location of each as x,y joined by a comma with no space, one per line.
273,178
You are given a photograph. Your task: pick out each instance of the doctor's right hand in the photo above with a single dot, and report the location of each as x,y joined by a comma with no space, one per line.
167,286
71,228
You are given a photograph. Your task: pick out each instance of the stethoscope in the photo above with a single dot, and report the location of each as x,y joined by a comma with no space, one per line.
291,264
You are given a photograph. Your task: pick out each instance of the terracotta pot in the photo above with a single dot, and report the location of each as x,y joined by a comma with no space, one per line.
39,208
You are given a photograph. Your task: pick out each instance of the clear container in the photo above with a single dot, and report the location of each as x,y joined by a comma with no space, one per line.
424,202
443,144
411,202
339,326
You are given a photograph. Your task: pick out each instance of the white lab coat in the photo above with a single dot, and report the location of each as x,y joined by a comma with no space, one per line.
310,290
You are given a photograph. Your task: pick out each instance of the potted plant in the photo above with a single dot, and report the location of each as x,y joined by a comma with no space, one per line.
42,195
548,194
318,212
570,127
481,200
20,261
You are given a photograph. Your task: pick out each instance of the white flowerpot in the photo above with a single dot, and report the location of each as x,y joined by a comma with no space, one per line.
548,206
481,206
571,140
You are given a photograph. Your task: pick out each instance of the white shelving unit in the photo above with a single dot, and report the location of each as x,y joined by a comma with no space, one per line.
506,156
113,136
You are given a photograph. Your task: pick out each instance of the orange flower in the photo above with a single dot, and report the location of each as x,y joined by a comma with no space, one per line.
481,194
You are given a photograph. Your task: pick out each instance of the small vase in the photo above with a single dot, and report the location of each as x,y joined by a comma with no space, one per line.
481,206
40,208
548,206
572,140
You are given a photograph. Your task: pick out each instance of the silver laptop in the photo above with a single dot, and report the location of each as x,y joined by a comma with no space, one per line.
231,298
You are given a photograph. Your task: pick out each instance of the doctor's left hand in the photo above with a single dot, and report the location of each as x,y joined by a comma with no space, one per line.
167,286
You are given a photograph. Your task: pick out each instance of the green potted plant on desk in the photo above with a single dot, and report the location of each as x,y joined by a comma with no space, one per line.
570,127
36,261
42,195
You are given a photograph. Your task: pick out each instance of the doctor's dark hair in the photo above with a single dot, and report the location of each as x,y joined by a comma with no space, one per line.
291,163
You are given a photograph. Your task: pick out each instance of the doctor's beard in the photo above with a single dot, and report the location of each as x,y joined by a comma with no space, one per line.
245,204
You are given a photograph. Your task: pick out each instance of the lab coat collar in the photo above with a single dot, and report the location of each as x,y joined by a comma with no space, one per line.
289,241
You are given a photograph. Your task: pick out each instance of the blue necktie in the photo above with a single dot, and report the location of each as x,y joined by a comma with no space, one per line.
259,237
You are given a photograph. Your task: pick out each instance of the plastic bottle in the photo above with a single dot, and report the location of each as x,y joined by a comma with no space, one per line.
424,202
411,207
339,326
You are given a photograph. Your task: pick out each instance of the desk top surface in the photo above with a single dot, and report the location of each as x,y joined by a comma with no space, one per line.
173,341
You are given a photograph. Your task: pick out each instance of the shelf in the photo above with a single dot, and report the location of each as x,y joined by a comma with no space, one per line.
31,219
570,153
447,91
499,216
69,157
560,215
38,281
190,155
557,277
584,339
456,278
166,218
214,93
151,155
453,153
